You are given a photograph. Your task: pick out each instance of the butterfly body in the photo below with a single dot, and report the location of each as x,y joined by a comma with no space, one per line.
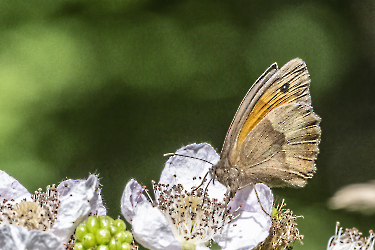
274,136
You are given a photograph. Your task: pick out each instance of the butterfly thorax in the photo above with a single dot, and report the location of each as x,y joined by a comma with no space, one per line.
228,175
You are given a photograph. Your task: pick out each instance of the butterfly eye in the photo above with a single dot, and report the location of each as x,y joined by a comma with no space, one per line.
284,88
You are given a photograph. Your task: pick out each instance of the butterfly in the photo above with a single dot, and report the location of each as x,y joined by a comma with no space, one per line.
274,135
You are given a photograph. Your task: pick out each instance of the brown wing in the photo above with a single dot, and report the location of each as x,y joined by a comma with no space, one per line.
281,149
245,108
289,84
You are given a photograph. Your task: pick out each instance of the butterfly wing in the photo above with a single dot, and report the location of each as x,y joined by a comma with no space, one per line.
244,109
281,149
263,135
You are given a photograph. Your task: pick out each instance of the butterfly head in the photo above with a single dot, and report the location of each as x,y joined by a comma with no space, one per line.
228,175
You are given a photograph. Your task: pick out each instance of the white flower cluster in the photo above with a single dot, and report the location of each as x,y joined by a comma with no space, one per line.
45,221
188,211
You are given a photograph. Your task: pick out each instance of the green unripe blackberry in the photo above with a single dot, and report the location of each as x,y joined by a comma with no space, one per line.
102,233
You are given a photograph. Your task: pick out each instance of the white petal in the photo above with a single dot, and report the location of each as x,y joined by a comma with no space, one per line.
39,240
77,198
17,237
253,224
13,237
190,172
151,229
100,208
247,199
10,188
130,198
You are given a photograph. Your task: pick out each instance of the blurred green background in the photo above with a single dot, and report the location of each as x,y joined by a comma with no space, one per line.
108,87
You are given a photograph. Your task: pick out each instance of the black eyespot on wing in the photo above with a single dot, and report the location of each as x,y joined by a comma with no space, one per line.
284,88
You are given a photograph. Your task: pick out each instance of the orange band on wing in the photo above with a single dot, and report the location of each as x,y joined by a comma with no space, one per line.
271,99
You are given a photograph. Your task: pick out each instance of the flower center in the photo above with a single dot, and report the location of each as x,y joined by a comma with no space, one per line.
27,214
40,213
187,246
195,218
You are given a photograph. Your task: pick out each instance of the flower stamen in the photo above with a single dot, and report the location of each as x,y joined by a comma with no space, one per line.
39,213
283,232
350,239
195,218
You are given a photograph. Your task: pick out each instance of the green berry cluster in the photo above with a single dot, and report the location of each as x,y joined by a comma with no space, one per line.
102,233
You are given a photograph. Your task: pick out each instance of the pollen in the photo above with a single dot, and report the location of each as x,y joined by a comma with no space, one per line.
38,213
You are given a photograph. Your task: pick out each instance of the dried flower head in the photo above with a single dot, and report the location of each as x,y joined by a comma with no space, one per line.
283,232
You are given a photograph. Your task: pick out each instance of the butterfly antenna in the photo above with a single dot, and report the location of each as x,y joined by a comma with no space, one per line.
260,202
192,157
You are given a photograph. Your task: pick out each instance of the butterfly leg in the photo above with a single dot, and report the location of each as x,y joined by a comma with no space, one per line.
256,193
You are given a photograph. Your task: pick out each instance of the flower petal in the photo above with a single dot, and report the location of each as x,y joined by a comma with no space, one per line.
246,200
253,224
77,198
17,237
100,208
151,229
13,237
39,240
130,198
190,172
10,188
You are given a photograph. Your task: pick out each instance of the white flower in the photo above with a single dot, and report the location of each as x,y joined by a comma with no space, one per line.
180,218
45,221
351,239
